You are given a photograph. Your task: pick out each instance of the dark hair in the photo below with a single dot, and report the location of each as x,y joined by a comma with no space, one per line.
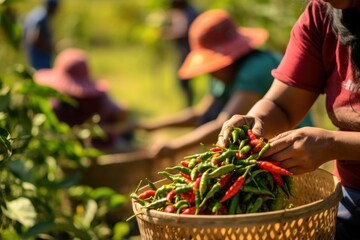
346,25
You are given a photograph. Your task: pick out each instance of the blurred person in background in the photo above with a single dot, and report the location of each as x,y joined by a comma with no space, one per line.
322,57
240,76
38,35
180,16
71,76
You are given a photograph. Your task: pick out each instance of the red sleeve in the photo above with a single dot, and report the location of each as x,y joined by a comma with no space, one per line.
302,65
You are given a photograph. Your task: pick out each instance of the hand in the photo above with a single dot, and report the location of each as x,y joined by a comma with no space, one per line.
301,150
238,121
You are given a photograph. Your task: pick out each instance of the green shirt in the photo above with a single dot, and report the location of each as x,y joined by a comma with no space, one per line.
254,74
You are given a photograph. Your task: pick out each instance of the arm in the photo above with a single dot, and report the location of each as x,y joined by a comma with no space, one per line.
241,101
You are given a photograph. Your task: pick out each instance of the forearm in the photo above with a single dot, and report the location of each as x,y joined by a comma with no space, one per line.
345,146
275,120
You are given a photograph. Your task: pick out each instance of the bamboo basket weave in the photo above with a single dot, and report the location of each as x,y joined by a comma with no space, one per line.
313,217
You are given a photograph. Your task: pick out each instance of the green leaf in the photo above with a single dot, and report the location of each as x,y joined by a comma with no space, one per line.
21,210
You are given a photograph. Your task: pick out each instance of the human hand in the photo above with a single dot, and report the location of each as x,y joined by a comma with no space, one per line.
238,121
300,150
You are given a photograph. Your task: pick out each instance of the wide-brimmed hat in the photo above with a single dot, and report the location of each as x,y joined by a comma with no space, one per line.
70,75
216,42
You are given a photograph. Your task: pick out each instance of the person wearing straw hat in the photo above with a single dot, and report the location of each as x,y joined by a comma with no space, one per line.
71,76
240,76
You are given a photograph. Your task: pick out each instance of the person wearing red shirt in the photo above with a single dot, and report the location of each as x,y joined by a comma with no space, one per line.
322,57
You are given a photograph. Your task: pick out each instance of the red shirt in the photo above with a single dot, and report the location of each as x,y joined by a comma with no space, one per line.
315,60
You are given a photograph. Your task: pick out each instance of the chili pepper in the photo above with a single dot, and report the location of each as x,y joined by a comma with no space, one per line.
234,203
239,155
197,182
162,191
255,142
246,162
248,188
167,175
224,155
245,127
247,197
187,176
197,201
235,187
189,210
202,167
192,163
273,168
180,203
277,178
240,132
253,174
257,148
221,171
181,169
147,194
269,180
251,135
157,204
280,200
181,207
235,136
194,173
137,199
184,163
203,183
225,180
189,196
243,143
216,149
169,209
214,189
216,207
264,149
151,184
290,185
255,206
245,149
170,196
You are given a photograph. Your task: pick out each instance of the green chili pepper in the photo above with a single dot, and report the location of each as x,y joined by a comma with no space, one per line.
255,206
290,185
240,132
183,189
162,191
157,204
245,127
245,162
252,175
197,201
192,163
234,203
216,207
223,170
227,154
151,184
180,203
203,183
243,143
245,149
264,149
248,188
203,166
247,197
194,173
182,169
280,200
235,136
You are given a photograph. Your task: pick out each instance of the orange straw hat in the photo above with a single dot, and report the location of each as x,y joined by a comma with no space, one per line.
70,75
216,42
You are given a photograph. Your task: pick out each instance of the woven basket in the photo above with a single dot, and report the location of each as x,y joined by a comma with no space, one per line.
318,195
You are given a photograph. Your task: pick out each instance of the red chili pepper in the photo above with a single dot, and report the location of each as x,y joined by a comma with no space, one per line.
185,176
255,142
189,210
169,209
184,163
251,135
277,178
189,196
170,196
240,155
235,187
257,148
197,182
216,149
225,180
269,166
147,194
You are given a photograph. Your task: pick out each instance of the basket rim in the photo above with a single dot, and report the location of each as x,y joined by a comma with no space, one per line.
303,211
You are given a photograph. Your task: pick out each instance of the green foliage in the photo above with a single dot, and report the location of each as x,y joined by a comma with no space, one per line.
39,197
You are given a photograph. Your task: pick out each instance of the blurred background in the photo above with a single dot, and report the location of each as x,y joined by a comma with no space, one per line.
124,45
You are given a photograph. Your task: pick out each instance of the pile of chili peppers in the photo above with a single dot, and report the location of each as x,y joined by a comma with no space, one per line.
233,180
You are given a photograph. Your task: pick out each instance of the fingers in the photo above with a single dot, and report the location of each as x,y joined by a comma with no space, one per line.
228,126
